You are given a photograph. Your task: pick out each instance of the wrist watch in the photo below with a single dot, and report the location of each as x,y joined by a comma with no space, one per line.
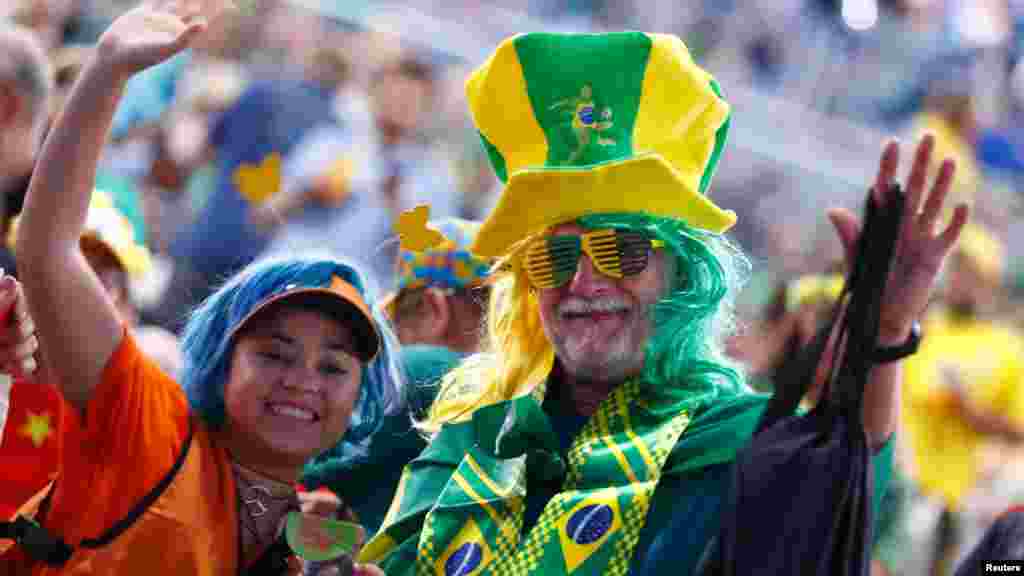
886,354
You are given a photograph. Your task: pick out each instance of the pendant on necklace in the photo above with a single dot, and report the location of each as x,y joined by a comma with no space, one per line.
253,500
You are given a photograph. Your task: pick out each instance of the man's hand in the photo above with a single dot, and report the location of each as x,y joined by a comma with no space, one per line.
920,248
154,31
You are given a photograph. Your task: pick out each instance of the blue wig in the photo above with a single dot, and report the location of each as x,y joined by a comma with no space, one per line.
207,343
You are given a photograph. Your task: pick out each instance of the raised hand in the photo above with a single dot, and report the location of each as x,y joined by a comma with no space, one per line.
922,246
155,31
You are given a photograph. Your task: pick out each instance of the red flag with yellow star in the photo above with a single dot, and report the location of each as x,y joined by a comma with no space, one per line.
37,420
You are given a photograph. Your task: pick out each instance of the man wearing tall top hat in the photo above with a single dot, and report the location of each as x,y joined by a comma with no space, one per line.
596,431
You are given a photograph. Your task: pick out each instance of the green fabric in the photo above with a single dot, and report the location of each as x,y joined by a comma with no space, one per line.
368,484
718,433
892,491
882,465
685,509
430,483
424,366
716,154
497,160
587,118
591,526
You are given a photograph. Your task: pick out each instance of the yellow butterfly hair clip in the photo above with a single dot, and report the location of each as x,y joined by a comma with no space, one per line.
414,233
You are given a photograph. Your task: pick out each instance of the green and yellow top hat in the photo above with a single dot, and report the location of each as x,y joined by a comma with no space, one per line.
579,124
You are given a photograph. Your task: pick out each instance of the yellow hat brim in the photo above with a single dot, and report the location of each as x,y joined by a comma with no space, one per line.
536,199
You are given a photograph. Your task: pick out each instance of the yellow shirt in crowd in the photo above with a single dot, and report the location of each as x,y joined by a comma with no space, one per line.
988,362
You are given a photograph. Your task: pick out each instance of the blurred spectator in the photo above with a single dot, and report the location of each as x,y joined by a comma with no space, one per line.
766,57
478,187
126,159
59,22
1004,540
949,114
180,176
406,169
121,264
1000,146
332,162
963,389
272,114
403,96
25,89
797,311
441,293
871,75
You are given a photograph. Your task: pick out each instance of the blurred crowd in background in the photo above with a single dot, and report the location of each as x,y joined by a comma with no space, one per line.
363,102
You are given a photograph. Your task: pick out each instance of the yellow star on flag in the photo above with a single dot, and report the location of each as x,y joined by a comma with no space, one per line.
37,428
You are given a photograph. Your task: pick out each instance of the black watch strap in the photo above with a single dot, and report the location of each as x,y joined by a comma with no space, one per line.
886,354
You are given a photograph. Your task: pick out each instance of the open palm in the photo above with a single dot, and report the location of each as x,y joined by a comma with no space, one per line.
154,31
922,245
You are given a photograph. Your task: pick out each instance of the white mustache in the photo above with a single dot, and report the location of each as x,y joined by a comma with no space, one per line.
575,305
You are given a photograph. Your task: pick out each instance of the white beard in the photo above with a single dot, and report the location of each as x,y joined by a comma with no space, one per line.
587,354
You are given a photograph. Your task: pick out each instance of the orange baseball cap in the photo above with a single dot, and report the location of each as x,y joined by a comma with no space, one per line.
342,300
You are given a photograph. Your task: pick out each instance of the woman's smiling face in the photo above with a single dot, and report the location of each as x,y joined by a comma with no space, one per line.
292,385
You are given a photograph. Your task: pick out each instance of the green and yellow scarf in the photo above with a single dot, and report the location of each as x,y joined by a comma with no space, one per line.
459,508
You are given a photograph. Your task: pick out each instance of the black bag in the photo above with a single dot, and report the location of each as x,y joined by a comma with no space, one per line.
801,496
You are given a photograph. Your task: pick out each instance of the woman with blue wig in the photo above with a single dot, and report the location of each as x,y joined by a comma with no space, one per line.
285,360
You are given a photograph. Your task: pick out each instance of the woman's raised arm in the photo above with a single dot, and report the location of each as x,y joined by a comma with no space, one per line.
76,322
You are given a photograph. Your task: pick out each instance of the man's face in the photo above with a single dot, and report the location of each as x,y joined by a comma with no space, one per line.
599,325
